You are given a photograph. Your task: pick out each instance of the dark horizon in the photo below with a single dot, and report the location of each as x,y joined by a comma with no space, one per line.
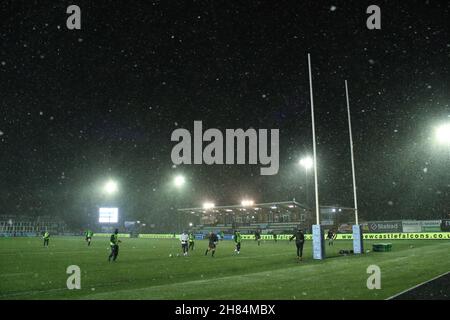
80,107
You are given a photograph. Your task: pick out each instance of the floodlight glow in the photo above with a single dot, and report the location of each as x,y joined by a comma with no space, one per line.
208,205
306,162
111,187
108,215
190,224
443,133
247,203
179,181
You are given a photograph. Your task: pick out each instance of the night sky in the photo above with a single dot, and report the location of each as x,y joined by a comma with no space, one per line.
78,107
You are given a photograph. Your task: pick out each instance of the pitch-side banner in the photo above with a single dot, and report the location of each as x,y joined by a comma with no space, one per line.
369,236
400,236
349,236
120,235
383,226
159,236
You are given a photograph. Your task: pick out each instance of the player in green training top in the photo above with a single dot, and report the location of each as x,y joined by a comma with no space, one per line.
191,241
46,238
114,242
89,235
237,240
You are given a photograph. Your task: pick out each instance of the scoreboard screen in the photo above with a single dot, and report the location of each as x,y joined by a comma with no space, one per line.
108,215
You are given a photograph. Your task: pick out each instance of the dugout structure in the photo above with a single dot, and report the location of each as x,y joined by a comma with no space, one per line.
269,217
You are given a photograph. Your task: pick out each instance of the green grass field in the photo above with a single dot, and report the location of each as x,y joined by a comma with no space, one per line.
144,270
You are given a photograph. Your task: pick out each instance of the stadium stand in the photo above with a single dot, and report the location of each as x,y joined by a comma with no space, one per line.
19,226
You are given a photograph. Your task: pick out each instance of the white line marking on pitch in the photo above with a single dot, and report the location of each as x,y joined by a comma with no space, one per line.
15,274
416,286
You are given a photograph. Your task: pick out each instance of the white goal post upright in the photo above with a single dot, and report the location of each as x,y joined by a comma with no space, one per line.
357,230
318,239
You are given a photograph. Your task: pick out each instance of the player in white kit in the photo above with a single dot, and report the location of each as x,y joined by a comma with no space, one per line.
184,238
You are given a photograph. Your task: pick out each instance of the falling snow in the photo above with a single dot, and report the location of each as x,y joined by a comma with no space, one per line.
80,105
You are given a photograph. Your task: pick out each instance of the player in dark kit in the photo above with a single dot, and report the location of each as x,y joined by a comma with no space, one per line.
212,243
258,237
114,242
237,240
299,241
330,236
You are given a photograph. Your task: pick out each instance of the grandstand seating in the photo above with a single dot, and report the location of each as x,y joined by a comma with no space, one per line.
30,226
278,227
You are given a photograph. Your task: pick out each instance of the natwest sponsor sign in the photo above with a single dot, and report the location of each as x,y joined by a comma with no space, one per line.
385,226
